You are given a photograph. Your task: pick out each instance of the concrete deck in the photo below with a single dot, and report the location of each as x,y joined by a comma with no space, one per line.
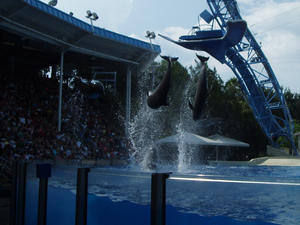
276,161
262,161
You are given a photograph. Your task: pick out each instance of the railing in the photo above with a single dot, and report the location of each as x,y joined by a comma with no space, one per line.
43,172
108,195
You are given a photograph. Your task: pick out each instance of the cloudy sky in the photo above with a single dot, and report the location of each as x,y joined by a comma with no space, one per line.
274,23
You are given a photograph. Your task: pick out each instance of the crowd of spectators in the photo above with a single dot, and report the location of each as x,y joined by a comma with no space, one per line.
28,124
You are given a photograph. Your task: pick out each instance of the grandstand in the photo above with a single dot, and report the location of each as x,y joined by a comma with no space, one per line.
41,116
35,35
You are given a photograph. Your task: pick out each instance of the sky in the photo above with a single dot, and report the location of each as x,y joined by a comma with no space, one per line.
274,23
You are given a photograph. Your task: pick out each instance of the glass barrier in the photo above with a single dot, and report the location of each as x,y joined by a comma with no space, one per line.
118,196
219,200
219,195
61,195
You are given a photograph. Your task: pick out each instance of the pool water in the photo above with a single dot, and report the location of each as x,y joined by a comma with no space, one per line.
203,195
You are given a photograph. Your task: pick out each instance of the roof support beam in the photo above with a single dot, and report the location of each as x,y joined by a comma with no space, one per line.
15,12
128,99
60,89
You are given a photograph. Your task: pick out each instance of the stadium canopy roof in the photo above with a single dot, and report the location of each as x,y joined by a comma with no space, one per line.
226,141
54,30
188,138
193,139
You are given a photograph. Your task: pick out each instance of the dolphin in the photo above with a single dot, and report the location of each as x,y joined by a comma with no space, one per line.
158,97
201,92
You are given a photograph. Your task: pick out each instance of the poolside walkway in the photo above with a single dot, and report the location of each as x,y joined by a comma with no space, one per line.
262,161
276,161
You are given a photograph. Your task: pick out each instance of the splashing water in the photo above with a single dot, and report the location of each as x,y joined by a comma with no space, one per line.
74,109
145,130
184,151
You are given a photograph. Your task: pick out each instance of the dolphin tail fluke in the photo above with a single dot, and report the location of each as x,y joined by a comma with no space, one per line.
203,59
174,59
167,58
191,105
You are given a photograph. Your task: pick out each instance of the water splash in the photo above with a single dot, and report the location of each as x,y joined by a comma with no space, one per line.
74,110
145,129
185,122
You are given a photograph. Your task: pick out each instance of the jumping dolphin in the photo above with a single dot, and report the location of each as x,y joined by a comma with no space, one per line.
216,46
201,92
159,96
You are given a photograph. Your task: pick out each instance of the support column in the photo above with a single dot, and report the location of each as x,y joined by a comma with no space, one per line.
17,209
158,198
43,172
60,89
128,98
81,196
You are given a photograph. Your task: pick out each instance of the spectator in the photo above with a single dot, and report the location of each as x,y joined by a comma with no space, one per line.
28,129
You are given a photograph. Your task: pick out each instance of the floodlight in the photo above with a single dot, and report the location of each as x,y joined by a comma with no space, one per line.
148,33
152,35
92,16
95,16
89,14
52,3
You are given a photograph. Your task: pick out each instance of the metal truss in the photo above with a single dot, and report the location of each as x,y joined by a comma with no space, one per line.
256,77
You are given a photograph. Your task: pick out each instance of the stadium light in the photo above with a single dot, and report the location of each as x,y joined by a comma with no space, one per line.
88,14
52,3
92,16
150,35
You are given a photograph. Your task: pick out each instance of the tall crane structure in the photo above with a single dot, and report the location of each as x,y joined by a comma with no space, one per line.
234,45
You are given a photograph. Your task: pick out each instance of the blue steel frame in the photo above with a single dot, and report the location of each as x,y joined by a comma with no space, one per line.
256,77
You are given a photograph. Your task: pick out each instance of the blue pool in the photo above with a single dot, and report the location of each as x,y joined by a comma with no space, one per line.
203,195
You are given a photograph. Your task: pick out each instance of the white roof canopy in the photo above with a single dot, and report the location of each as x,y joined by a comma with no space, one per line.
226,141
193,139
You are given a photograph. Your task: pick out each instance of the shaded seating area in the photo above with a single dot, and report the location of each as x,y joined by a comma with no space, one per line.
44,116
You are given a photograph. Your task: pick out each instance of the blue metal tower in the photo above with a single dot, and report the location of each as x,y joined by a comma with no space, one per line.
256,77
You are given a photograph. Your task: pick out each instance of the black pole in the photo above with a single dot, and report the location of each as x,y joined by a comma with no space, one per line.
17,213
13,200
81,196
158,198
43,172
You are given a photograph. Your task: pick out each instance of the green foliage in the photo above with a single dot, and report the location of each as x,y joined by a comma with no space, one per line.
226,101
293,102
